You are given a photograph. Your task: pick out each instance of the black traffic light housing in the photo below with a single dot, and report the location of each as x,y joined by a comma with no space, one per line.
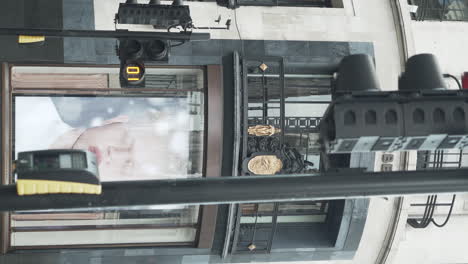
153,13
421,115
155,50
133,53
422,74
356,73
132,74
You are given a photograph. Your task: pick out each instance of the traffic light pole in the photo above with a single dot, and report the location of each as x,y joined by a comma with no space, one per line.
120,34
223,190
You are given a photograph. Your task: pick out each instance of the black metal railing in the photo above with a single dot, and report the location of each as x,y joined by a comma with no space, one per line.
266,93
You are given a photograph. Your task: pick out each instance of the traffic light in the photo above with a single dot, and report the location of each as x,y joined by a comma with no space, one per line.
132,74
134,53
421,115
153,13
356,73
422,74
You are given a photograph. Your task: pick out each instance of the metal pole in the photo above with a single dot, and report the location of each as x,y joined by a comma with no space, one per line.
236,152
121,34
301,76
222,190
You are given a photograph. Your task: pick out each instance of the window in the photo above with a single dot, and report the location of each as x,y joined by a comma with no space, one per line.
291,102
155,132
308,3
302,3
282,107
155,226
270,226
442,10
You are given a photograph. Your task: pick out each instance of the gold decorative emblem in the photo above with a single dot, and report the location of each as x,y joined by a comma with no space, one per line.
252,247
263,130
265,165
263,67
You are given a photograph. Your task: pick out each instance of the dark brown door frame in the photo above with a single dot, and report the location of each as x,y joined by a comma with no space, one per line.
5,142
214,139
214,149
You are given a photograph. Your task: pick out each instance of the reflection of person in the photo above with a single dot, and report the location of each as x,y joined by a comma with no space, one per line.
132,151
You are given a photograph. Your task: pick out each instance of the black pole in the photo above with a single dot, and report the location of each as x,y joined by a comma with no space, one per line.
352,184
178,2
120,34
446,75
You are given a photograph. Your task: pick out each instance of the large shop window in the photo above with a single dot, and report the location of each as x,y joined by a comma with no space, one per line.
440,10
156,132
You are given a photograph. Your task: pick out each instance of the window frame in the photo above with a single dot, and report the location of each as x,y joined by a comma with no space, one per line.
282,3
420,15
212,151
5,164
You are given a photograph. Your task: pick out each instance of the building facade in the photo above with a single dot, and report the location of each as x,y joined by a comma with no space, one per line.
196,117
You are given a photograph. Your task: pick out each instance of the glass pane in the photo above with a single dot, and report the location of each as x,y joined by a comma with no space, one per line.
104,237
271,225
303,208
284,209
134,138
164,225
149,135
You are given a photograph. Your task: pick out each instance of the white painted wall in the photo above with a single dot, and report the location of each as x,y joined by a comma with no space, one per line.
434,245
431,245
447,40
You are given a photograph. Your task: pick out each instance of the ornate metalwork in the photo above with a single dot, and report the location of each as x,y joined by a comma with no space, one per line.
265,165
263,130
304,124
292,160
263,144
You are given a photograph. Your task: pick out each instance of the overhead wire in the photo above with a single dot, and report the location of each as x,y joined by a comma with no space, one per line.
446,75
238,32
449,214
431,202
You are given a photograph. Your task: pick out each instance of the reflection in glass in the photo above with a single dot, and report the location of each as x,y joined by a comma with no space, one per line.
163,225
142,136
133,138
